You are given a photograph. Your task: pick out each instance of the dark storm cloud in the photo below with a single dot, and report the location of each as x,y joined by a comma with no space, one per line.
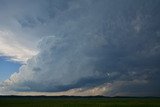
93,42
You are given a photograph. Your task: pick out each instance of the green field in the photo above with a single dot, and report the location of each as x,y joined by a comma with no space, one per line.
78,102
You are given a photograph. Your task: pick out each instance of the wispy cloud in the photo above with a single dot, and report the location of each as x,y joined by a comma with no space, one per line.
10,47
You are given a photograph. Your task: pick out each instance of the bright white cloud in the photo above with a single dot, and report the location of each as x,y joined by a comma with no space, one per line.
10,47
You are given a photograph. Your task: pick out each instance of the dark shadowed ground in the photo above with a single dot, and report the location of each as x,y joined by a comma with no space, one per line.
63,101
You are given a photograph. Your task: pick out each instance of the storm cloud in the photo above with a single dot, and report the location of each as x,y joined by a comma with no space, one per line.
88,44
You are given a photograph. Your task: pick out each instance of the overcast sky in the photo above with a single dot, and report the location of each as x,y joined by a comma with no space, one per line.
80,47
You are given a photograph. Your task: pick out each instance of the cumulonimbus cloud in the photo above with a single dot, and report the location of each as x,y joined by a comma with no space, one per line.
90,43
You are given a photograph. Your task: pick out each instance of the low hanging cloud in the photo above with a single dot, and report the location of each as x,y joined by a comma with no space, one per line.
85,46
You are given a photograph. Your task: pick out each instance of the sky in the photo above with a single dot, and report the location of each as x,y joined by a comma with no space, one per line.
7,68
80,47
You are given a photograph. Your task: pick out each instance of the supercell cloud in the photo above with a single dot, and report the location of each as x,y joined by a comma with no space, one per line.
109,47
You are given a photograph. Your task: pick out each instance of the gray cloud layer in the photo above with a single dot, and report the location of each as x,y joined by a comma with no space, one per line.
85,44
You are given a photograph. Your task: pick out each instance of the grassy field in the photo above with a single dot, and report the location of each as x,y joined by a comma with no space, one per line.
78,102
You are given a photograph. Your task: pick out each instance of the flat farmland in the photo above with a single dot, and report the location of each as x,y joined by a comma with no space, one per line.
78,102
